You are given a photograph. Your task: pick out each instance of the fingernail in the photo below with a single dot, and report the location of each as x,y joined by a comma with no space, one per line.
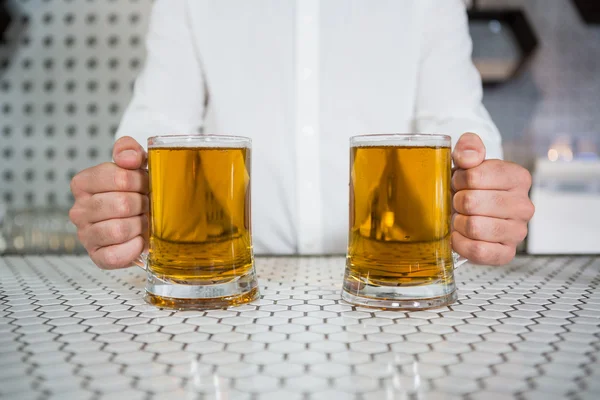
127,153
469,155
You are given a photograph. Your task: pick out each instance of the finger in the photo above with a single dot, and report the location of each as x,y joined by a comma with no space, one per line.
469,151
119,255
493,203
113,231
111,205
78,215
128,153
480,252
488,229
492,174
108,177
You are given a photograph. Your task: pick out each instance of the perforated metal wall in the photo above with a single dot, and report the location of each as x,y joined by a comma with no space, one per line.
66,72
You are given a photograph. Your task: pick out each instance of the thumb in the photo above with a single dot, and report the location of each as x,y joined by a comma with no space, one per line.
128,153
469,151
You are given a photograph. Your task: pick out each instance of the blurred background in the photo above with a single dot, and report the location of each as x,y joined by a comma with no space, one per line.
67,68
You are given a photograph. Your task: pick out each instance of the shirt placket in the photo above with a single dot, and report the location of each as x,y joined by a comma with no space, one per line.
308,198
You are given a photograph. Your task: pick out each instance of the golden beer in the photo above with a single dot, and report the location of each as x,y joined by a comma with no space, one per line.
200,232
400,210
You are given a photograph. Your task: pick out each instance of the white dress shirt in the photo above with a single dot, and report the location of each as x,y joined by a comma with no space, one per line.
299,78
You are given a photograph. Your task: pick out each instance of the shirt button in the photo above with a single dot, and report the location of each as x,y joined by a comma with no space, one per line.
306,73
308,130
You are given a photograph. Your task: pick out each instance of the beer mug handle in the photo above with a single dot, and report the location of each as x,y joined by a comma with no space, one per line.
458,259
141,261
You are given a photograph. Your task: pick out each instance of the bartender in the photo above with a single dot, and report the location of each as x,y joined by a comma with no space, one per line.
300,78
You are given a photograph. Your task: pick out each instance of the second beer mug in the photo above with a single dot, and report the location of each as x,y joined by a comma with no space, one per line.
399,250
200,246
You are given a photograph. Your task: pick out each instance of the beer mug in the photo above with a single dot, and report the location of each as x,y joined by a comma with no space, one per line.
200,245
399,250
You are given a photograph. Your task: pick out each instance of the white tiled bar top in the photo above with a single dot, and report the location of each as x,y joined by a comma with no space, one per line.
530,330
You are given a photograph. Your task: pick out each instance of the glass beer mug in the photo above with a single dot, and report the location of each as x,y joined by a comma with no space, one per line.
399,250
200,245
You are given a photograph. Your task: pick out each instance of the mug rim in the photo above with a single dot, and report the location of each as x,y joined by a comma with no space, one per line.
401,136
190,139
401,139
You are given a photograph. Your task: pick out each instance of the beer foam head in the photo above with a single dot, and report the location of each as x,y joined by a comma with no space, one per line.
400,140
199,141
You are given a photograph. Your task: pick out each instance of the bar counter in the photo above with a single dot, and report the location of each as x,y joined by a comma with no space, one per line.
529,330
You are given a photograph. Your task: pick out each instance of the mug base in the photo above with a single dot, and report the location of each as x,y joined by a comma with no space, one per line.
397,300
193,295
200,304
